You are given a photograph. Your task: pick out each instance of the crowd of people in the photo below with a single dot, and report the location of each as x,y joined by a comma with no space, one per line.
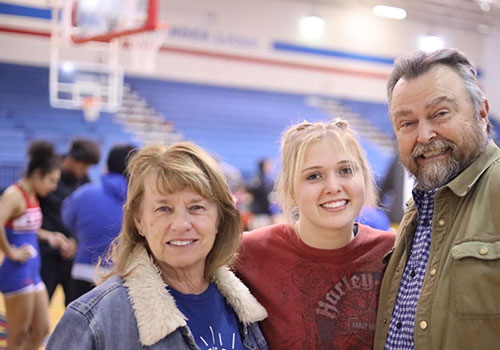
159,255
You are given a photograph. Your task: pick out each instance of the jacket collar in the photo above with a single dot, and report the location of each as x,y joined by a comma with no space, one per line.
467,178
154,307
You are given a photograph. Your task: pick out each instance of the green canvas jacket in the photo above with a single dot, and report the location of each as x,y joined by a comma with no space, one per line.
459,305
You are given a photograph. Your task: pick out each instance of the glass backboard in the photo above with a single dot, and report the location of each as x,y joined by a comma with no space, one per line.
104,20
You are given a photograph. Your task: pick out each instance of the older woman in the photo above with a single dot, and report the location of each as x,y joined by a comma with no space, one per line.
169,287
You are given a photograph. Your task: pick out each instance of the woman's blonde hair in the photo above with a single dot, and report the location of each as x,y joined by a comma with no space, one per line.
180,166
294,143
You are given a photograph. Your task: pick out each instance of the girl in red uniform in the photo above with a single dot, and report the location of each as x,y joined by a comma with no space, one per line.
24,293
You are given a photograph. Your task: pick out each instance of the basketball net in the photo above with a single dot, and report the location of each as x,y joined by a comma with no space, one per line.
91,107
143,49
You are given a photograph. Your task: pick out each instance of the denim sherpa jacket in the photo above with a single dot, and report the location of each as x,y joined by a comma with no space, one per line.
137,312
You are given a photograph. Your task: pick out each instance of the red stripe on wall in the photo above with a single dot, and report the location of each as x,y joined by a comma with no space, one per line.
276,63
23,31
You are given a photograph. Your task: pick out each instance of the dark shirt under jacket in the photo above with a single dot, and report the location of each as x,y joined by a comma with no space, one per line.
51,204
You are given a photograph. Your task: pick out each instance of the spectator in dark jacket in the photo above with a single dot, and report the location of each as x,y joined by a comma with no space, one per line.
260,188
57,263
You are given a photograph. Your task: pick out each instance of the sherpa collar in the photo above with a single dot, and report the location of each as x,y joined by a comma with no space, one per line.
154,307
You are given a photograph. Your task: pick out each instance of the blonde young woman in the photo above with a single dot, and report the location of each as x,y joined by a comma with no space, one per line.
170,288
25,295
318,275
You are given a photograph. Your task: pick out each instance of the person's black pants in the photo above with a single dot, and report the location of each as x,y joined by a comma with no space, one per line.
54,271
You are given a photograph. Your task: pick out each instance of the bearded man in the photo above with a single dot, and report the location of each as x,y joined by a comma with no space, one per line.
442,283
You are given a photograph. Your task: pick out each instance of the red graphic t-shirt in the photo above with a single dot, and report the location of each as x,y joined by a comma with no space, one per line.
316,298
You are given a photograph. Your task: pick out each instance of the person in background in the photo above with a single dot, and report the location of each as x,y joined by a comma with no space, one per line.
243,200
24,294
57,262
318,275
441,287
260,187
169,287
94,214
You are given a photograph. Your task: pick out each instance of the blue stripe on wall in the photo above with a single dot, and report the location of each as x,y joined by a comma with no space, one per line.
25,11
283,46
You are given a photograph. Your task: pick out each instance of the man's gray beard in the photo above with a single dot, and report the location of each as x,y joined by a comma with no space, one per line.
437,174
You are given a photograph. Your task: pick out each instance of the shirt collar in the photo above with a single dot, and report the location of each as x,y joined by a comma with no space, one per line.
461,184
422,197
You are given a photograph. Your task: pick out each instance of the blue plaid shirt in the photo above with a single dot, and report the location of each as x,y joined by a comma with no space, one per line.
400,335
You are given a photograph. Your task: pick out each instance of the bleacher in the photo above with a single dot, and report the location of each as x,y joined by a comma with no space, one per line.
26,115
238,125
376,113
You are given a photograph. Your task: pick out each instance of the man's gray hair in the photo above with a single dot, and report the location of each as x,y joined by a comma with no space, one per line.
420,62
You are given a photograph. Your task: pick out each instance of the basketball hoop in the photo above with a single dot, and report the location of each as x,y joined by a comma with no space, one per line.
143,49
91,107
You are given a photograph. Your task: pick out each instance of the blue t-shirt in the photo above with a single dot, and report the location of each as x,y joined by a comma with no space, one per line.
211,320
374,217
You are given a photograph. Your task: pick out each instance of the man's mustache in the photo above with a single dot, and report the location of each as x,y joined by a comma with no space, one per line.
436,145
